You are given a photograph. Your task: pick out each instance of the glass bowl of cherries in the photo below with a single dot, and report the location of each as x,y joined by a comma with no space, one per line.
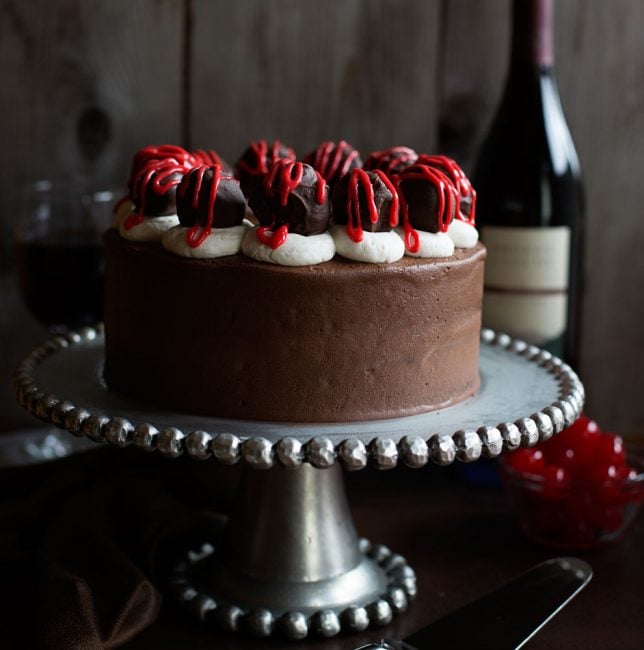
579,490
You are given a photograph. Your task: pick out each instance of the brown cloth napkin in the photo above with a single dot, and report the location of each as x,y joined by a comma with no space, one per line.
85,543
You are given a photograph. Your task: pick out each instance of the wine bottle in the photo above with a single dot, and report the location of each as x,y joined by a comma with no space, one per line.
530,199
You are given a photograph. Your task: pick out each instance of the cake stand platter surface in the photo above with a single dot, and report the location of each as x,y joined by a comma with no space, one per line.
289,561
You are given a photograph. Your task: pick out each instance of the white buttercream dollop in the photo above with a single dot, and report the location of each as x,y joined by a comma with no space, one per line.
219,243
150,229
432,244
297,250
463,234
125,209
375,247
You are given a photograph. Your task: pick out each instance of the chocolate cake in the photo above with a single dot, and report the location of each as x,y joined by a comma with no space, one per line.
335,341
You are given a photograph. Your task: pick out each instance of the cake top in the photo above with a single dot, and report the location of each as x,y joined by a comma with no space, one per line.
282,210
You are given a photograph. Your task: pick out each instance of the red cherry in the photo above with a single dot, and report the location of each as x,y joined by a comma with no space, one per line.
626,472
555,475
526,461
599,472
580,426
610,449
584,486
561,455
555,482
575,446
606,458
580,430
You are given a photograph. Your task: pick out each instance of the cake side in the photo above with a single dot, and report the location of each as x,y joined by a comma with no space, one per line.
337,342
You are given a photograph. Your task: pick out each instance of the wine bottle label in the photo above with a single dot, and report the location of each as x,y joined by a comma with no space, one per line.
526,281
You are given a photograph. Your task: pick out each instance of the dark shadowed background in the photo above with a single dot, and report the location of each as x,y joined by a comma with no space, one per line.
85,83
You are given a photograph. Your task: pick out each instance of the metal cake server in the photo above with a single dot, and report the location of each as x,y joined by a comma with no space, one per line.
506,618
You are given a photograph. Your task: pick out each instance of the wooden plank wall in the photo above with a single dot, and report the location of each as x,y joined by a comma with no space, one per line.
86,83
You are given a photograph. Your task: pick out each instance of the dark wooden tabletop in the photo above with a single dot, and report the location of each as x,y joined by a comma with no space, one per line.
463,541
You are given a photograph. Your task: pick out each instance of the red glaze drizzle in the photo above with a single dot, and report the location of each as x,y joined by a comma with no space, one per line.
388,159
460,180
160,152
320,191
286,175
197,235
157,174
209,157
333,160
358,178
263,156
448,200
275,239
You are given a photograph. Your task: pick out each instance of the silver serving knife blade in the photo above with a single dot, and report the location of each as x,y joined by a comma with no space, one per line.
507,618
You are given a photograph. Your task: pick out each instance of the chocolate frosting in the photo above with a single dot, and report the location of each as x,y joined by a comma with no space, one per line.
334,160
392,160
422,198
382,200
336,342
229,206
302,212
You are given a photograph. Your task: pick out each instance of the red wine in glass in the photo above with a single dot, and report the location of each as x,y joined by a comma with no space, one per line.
59,257
61,279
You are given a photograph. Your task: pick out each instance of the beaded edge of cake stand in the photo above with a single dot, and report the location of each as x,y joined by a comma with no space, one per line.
258,452
294,625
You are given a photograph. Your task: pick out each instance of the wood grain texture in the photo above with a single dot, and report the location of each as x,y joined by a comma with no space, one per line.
475,59
83,85
304,72
600,53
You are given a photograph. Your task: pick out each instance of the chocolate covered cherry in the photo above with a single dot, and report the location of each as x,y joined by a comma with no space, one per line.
334,160
391,161
466,193
156,172
210,157
293,194
255,162
428,198
365,201
209,197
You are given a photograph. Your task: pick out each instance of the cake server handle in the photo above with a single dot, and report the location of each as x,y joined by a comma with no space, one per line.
506,618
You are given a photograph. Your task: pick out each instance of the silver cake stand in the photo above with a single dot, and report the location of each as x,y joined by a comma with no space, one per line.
289,560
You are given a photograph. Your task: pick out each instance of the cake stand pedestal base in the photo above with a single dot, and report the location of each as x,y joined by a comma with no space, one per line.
290,562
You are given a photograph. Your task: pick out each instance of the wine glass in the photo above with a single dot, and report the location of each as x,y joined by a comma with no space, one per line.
58,253
59,263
